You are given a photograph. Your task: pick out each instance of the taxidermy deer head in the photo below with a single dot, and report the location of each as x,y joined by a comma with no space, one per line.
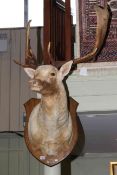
50,126
50,122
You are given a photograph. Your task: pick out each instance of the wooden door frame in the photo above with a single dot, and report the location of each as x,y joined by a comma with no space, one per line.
48,9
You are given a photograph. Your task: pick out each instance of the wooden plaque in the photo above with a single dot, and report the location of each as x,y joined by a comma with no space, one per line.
65,151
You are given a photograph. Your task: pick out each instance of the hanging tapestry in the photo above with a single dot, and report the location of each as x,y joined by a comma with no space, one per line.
88,20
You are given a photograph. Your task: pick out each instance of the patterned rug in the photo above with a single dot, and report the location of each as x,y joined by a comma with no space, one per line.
88,28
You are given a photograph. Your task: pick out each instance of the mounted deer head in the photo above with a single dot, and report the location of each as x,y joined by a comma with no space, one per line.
50,126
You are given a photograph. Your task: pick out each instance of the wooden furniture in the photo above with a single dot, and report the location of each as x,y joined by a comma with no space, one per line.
58,30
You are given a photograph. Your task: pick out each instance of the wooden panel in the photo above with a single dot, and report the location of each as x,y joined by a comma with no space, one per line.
26,163
3,143
68,32
13,163
21,166
5,85
57,28
47,16
24,89
34,166
14,90
4,163
15,80
15,158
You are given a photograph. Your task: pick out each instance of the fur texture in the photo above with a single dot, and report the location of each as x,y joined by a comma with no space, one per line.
50,126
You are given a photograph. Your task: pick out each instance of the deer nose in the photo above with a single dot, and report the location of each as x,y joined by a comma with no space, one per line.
32,82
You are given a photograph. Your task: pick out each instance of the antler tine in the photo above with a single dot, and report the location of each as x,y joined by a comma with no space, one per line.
102,24
27,39
30,59
50,55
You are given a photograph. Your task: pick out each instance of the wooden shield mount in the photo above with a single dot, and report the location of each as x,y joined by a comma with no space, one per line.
65,151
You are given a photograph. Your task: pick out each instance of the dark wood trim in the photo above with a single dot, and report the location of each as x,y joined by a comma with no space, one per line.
47,26
68,31
57,30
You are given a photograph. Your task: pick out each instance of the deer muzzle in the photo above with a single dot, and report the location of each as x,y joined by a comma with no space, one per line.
35,85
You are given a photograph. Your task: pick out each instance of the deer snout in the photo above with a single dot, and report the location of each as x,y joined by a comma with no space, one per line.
33,82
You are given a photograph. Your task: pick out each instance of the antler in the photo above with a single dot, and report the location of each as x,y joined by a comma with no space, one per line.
30,59
50,55
102,24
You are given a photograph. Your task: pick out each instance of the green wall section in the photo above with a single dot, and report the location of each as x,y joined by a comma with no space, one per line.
16,160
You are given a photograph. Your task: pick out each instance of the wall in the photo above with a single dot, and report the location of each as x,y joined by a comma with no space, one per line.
93,85
93,164
16,160
14,90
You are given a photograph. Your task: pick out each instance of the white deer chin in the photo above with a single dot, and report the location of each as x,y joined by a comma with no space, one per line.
36,89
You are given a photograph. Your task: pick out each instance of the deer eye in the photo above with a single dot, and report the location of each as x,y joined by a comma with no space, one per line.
52,74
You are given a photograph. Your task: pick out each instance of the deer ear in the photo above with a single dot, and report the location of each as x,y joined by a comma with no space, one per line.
30,72
64,70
